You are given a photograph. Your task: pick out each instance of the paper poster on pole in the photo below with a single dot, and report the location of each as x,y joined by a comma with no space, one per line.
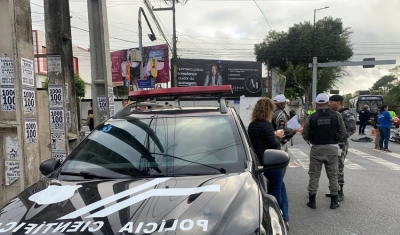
28,76
102,103
12,148
55,96
110,95
57,141
112,110
31,131
57,121
29,100
59,155
12,171
7,98
54,64
6,71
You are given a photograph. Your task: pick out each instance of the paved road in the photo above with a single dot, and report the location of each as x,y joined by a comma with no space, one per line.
372,190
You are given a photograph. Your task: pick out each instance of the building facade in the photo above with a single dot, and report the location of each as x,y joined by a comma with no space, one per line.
81,62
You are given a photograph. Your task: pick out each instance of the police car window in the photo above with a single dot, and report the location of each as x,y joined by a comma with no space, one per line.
161,146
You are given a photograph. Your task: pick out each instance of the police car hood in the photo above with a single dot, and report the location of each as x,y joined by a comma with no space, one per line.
216,204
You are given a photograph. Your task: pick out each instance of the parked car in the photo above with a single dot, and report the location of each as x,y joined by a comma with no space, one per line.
164,170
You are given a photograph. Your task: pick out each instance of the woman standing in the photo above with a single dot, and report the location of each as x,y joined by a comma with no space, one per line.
263,137
385,124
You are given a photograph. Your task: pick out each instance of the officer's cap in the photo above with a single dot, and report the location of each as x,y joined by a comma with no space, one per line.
280,99
322,98
336,98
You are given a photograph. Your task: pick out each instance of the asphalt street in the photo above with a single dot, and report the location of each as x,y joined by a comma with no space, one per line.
372,189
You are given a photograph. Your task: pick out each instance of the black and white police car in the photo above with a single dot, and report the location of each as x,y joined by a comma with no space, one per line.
164,170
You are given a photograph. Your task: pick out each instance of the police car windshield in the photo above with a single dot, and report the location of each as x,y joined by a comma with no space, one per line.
160,146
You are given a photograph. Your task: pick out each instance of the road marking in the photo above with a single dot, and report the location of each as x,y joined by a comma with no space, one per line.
301,157
380,161
352,166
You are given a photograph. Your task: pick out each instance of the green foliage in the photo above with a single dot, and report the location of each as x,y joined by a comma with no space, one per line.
293,50
79,85
346,99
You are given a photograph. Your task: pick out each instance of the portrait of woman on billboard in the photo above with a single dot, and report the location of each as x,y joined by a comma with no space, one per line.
213,78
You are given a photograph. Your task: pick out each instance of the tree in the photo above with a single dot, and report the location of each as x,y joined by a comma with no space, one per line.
395,71
79,85
292,51
346,100
383,85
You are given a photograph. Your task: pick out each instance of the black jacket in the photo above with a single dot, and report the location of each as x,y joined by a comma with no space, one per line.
262,137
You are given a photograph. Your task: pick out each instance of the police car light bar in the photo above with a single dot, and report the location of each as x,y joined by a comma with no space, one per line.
182,91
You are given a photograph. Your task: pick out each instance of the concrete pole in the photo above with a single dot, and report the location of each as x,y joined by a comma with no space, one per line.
60,72
102,89
314,80
140,41
19,137
175,56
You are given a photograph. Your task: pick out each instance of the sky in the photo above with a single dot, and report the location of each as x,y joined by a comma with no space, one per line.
228,29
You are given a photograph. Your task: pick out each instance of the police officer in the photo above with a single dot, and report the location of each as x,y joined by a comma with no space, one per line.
280,119
336,104
324,130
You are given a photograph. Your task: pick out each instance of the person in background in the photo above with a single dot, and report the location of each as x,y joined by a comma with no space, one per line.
263,137
349,119
364,116
90,117
124,103
292,113
375,124
311,111
385,124
324,130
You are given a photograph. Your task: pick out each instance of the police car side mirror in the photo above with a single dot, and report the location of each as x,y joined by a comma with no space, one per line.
274,160
49,165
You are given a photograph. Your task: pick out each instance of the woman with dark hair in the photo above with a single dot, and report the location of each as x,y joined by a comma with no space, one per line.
385,124
263,137
213,78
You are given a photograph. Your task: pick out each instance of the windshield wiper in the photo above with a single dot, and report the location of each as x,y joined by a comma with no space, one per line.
87,175
222,170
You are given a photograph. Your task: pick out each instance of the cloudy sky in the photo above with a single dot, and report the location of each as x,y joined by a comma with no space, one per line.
228,29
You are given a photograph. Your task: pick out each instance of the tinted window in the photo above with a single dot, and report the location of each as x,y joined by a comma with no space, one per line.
161,146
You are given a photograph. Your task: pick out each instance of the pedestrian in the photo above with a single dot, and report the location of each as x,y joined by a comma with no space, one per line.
324,129
349,119
364,116
375,124
263,137
124,103
385,124
90,120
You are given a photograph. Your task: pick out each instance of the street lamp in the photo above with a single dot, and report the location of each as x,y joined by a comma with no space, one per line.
315,11
314,79
151,36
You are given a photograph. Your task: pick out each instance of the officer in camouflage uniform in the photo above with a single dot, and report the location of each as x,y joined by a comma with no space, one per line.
324,130
280,119
336,103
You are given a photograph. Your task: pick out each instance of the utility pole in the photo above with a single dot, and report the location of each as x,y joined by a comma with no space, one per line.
102,89
174,41
19,139
60,72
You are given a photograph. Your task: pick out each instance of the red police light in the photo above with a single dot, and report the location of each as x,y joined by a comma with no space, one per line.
182,91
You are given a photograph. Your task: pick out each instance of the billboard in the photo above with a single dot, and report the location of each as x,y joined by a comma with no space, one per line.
124,66
244,76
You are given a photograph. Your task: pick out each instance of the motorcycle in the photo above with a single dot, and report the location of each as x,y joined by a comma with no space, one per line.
395,136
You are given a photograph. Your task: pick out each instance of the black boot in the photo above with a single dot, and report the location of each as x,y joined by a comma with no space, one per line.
334,202
311,201
340,194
